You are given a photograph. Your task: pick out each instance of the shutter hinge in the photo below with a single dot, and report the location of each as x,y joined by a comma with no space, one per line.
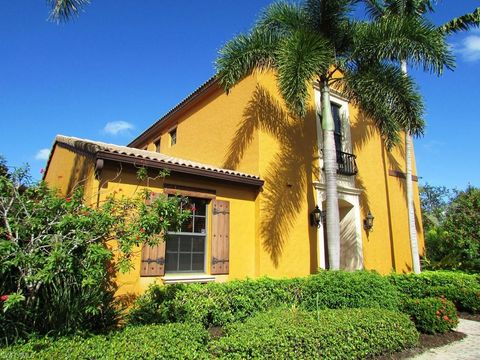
217,261
160,261
216,211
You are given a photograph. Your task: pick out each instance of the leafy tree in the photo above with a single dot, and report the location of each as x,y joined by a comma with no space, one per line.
417,9
56,269
462,231
434,201
453,238
318,41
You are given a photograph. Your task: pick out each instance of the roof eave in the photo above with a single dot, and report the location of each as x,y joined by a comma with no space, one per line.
212,174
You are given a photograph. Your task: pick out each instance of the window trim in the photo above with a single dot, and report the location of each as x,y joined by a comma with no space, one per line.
170,134
157,143
205,244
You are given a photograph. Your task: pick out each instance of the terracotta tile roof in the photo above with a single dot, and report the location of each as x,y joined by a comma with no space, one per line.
149,158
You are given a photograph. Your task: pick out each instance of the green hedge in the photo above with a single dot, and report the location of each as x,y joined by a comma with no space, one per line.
327,334
219,304
460,288
170,341
432,315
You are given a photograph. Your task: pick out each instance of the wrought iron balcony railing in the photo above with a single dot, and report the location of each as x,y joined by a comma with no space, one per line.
346,164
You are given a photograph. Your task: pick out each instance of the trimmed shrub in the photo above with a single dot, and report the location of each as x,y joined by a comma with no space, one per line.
219,304
432,315
170,341
339,289
460,288
327,334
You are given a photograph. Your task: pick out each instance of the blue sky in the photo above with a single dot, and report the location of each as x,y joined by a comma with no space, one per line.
116,69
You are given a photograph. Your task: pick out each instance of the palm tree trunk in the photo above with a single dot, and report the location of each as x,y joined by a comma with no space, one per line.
330,168
409,184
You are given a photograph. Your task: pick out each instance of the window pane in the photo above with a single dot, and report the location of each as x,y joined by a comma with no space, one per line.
200,225
187,226
198,244
197,262
337,118
172,244
171,261
185,262
200,206
186,244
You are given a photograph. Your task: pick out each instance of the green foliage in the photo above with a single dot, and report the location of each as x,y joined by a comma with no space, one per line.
432,315
304,42
219,304
462,23
462,227
434,201
329,334
453,228
55,267
462,289
339,289
171,341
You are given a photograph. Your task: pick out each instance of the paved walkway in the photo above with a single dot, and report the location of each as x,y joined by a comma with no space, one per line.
466,349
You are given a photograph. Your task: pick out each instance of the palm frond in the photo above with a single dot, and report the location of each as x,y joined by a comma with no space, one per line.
301,58
375,9
388,97
408,7
282,17
462,23
240,56
64,10
408,38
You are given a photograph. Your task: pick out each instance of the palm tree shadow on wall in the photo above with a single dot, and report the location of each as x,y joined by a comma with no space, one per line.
288,177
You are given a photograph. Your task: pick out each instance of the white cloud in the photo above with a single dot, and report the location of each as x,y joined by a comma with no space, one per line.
470,47
117,127
42,154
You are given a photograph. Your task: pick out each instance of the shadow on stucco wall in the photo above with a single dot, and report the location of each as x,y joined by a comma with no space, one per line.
289,174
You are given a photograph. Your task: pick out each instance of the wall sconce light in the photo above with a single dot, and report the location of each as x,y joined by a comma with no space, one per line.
368,221
316,217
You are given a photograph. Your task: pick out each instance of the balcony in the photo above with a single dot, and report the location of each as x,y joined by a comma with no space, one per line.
346,164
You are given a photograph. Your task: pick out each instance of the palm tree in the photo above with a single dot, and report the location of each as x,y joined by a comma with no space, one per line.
417,8
318,41
64,10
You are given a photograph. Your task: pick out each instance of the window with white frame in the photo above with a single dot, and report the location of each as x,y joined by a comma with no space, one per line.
185,249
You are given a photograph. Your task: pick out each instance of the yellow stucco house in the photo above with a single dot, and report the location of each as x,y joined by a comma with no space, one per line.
253,175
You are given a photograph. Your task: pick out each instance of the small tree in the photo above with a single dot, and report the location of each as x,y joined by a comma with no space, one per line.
453,235
434,201
462,230
55,266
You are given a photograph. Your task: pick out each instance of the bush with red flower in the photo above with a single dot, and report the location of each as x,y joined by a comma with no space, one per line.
55,266
432,315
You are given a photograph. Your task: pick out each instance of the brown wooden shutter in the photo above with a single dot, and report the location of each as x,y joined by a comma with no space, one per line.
153,260
153,257
220,237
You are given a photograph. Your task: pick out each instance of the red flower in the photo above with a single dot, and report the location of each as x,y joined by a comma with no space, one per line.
68,199
4,297
445,317
142,230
